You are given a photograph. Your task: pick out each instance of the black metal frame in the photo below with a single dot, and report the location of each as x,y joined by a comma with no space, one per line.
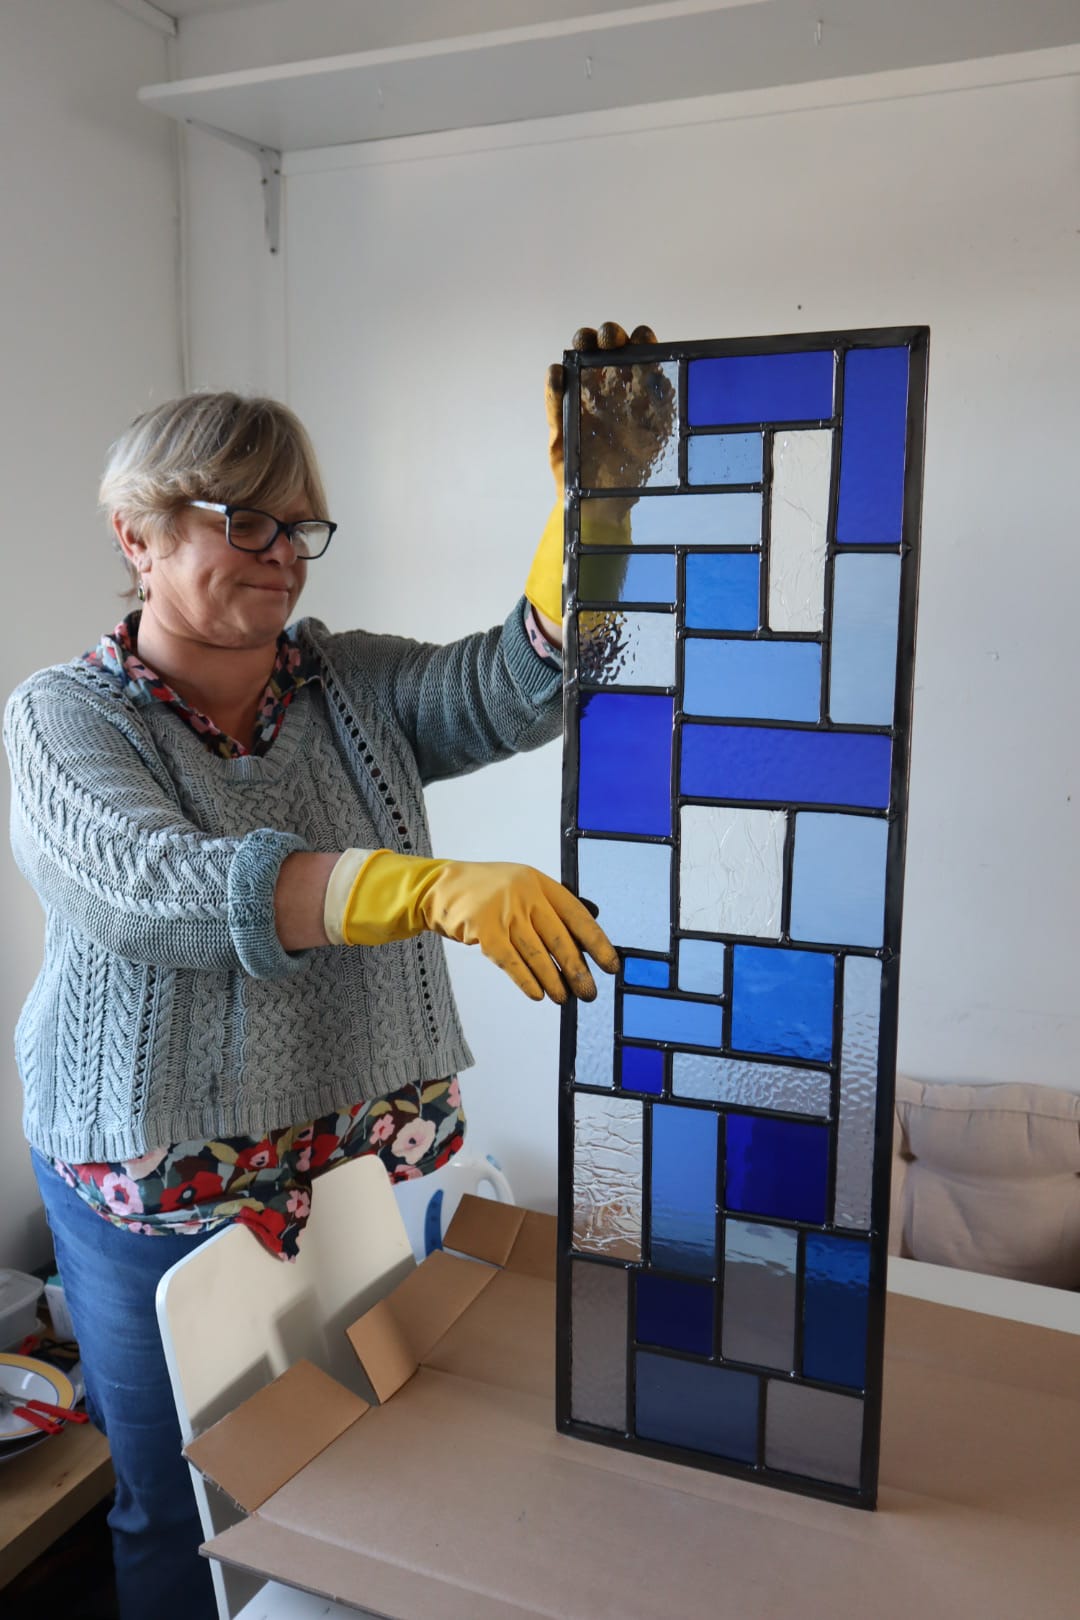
916,341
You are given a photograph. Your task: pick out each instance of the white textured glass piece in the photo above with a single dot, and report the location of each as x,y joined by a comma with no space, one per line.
626,648
631,884
731,870
802,473
595,1031
598,1345
607,1175
858,1092
750,1085
701,966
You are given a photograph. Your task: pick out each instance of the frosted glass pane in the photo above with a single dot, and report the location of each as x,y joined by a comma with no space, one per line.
701,966
858,1092
731,870
838,879
724,458
626,649
629,426
813,1432
679,520
595,1029
607,1175
750,1085
759,1294
631,883
598,1345
802,473
862,671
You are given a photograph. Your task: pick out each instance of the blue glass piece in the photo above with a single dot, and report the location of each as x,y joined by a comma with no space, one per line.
871,502
836,1293
643,1070
667,1018
724,458
624,776
777,1167
702,1408
676,1315
838,879
758,680
645,578
683,1188
642,970
631,884
723,593
761,388
774,766
862,667
701,966
679,520
782,1002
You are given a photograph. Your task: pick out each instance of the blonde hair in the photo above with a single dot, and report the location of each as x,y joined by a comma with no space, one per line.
209,447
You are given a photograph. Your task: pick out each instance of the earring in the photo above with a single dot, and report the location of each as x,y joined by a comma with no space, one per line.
140,592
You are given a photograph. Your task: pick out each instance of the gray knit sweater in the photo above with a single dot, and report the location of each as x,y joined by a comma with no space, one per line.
166,1009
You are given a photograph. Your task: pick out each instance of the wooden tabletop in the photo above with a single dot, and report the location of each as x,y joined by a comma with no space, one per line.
47,1489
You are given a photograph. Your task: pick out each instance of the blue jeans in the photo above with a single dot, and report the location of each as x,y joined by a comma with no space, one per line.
110,1277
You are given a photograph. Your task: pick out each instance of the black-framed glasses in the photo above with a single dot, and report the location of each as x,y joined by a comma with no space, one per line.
248,529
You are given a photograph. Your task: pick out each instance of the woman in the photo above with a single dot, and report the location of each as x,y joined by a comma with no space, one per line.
243,983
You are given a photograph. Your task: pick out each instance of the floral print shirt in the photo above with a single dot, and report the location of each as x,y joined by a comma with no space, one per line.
265,1185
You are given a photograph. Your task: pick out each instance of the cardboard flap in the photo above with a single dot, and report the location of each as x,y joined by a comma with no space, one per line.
272,1435
533,1254
394,1336
484,1229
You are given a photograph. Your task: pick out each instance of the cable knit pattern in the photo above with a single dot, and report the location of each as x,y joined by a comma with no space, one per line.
166,1009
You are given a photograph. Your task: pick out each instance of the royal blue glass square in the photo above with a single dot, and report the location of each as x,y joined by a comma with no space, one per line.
777,1167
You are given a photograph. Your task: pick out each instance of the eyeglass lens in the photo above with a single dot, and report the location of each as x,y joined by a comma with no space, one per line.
255,531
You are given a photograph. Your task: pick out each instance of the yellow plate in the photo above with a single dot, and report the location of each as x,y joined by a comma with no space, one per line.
27,1378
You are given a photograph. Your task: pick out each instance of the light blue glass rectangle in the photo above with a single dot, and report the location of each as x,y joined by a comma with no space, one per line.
667,1018
683,1189
643,970
695,520
617,577
724,458
701,966
838,879
758,680
594,1064
862,670
631,883
723,590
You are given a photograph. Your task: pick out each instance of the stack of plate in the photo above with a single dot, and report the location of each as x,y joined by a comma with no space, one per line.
27,1378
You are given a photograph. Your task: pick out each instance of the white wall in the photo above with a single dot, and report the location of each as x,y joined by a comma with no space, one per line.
426,285
89,337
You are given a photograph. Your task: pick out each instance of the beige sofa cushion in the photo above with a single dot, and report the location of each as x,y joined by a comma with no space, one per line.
988,1179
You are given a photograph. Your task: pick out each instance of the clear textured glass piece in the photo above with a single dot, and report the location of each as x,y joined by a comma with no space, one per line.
675,1315
683,1189
836,1291
731,870
595,1028
754,680
838,879
798,530
723,591
870,510
750,1085
607,1175
631,884
858,1092
782,1002
624,769
626,648
724,458
698,1407
813,1432
759,1294
730,389
677,520
776,1167
672,1019
613,577
701,966
629,429
862,666
775,766
598,1344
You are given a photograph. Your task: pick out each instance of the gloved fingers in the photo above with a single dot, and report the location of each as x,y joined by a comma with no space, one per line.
514,967
537,958
611,336
584,340
643,334
559,943
554,389
584,929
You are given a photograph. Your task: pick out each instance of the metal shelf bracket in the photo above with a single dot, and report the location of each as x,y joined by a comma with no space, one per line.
269,161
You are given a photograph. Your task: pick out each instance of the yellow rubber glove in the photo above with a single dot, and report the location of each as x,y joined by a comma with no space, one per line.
627,415
526,923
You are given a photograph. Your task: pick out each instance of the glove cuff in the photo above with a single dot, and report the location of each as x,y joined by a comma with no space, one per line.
544,584
385,897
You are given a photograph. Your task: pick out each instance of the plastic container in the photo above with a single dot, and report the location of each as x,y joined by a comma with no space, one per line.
19,1295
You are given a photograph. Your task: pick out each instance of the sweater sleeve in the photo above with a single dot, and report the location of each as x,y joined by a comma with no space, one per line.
102,840
465,704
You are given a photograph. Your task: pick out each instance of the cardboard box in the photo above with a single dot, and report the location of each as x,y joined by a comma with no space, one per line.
456,1499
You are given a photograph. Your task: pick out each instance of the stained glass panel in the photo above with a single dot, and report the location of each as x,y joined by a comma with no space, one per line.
743,820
